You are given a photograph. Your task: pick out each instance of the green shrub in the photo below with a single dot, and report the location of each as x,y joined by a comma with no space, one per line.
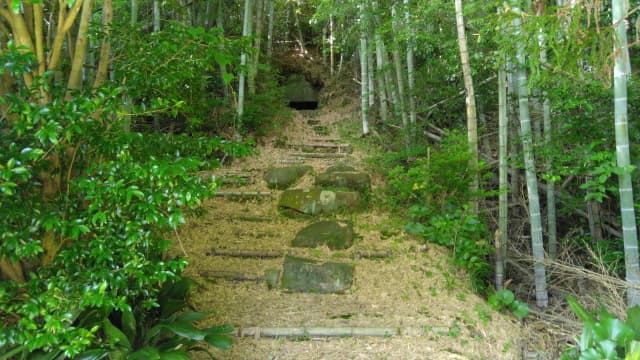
85,212
459,231
604,336
438,178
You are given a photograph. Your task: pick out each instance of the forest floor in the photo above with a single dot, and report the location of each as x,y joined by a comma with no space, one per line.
414,287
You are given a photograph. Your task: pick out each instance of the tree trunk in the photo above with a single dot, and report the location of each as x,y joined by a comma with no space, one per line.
105,50
257,46
550,185
513,134
410,66
364,69
535,219
627,211
503,129
156,15
270,30
472,122
246,31
389,81
303,49
331,39
382,95
371,71
397,64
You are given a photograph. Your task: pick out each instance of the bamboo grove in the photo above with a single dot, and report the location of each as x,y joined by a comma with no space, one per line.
510,122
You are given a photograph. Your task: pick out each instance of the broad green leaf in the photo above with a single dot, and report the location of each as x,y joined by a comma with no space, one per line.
191,316
186,330
219,341
220,329
521,309
506,296
612,329
580,311
633,352
114,335
146,353
174,355
93,354
129,323
633,320
607,350
151,333
590,354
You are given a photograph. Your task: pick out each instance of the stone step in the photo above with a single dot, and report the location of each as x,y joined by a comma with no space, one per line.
322,147
244,195
324,139
303,155
292,161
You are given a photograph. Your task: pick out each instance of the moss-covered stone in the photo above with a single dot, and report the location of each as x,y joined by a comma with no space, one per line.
316,201
353,180
337,236
303,275
282,178
298,89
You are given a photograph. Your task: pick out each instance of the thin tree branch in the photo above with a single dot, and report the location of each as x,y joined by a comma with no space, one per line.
64,24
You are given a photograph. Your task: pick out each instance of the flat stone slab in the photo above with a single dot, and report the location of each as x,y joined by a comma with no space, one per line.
308,276
283,177
335,235
353,180
316,201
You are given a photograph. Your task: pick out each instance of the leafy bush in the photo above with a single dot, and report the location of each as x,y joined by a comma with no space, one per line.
437,179
163,332
459,231
174,74
85,212
434,187
604,336
505,299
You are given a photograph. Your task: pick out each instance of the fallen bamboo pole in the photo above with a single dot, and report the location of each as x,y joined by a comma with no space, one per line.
243,194
246,254
357,254
230,276
319,155
350,331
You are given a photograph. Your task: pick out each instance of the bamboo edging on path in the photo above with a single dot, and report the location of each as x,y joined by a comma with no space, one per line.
349,331
358,254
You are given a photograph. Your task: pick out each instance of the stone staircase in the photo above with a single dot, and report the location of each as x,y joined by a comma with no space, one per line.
292,254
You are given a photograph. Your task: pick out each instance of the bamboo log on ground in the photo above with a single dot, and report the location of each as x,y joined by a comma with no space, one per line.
248,254
319,155
292,161
349,331
231,276
243,194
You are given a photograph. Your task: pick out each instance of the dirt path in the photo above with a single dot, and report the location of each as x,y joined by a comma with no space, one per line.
415,290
